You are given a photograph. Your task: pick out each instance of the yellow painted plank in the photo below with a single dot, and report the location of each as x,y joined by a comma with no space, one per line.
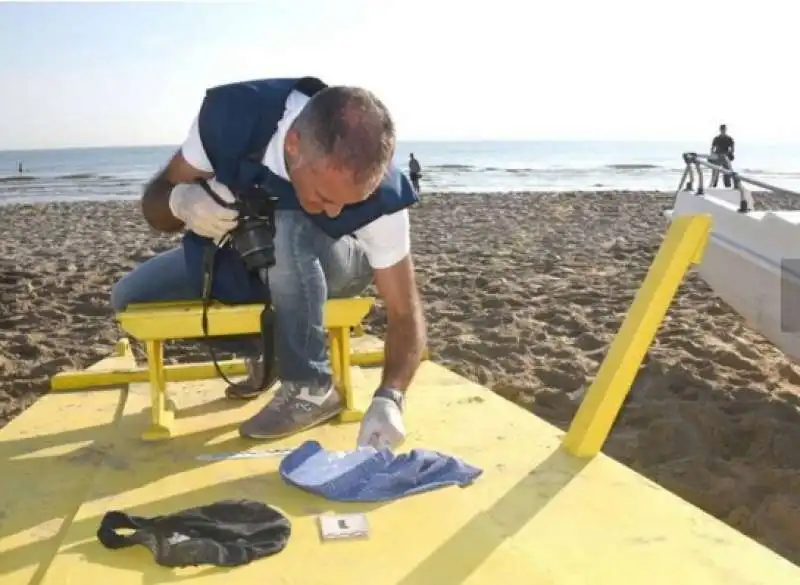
74,380
184,320
538,515
71,380
48,456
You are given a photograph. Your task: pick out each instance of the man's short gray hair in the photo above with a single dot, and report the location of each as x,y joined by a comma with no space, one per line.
351,129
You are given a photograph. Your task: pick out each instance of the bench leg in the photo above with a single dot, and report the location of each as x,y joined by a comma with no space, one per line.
340,363
162,413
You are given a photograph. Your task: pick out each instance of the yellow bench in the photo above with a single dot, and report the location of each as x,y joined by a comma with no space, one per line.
155,323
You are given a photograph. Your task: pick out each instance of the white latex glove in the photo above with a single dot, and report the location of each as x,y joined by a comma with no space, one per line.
190,203
382,425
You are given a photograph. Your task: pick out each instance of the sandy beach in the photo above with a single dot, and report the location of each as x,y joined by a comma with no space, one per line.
523,293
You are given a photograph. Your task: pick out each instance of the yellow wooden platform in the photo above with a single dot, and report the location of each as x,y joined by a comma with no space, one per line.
538,515
549,508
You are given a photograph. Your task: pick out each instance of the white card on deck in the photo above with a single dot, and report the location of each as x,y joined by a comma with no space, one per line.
336,526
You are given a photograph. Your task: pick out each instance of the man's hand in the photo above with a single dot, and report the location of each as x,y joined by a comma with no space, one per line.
383,426
194,207
155,201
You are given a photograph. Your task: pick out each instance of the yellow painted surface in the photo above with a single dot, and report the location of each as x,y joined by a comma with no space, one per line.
537,516
183,320
683,245
85,379
82,379
48,457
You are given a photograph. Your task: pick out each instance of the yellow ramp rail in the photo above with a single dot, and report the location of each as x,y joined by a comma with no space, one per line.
683,246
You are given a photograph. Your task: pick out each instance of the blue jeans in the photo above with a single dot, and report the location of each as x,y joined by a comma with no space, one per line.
310,267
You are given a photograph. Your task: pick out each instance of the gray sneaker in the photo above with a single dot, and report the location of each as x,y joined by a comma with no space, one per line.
249,388
296,406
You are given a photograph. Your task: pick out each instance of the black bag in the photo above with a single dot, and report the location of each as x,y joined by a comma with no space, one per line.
225,533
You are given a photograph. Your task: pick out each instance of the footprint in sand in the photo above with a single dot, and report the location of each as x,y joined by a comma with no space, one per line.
565,381
589,342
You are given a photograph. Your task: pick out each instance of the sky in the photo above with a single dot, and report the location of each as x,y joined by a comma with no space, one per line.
77,74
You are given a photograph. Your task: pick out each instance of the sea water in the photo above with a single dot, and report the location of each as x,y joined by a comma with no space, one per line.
462,167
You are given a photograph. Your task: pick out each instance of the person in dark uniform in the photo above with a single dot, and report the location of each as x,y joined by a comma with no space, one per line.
722,146
414,171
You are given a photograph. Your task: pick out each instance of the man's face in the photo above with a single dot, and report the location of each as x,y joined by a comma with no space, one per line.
320,187
323,189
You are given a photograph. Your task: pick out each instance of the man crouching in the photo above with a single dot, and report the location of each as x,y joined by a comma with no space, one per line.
342,222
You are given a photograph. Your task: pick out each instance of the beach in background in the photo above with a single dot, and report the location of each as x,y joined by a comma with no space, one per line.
523,293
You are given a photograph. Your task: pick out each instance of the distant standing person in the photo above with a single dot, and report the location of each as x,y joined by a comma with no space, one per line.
19,167
722,146
414,171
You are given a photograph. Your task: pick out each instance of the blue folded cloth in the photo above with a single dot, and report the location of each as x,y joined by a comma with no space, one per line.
372,475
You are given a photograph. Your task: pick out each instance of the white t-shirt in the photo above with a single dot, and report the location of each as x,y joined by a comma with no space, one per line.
386,241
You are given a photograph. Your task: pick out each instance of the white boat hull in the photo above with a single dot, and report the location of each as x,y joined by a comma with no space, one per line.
752,262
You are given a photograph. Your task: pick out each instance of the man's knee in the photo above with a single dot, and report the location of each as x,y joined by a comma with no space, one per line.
345,285
117,300
347,269
121,292
161,278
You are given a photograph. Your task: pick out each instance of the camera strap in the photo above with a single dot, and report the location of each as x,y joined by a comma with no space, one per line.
268,326
267,322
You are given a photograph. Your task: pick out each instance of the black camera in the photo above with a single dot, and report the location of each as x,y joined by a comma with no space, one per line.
253,238
254,235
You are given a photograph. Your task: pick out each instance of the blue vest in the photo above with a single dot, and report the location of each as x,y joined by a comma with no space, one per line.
236,122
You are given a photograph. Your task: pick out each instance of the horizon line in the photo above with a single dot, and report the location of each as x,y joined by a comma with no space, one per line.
418,140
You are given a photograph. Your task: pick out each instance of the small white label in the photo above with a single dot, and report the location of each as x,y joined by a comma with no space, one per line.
335,526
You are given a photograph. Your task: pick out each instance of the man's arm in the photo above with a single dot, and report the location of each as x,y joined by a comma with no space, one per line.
406,336
155,201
